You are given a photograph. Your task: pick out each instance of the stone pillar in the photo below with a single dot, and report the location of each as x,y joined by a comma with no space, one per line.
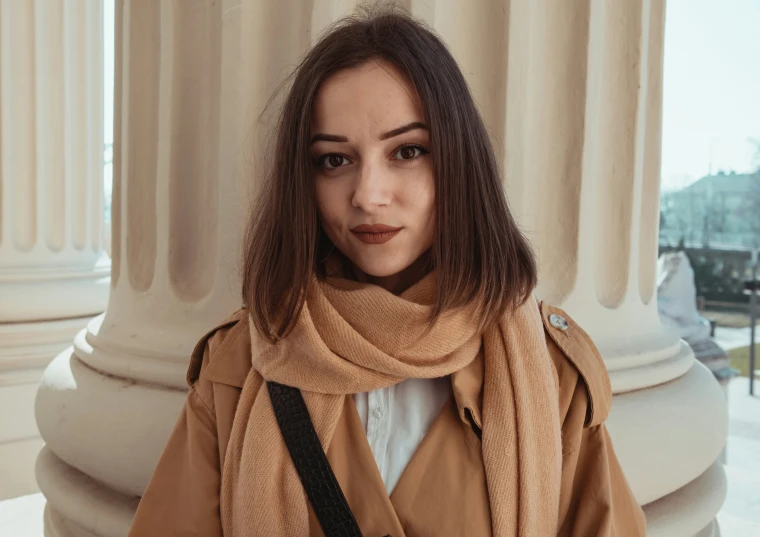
189,89
572,95
53,269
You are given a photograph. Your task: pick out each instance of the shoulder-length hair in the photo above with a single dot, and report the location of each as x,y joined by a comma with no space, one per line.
481,258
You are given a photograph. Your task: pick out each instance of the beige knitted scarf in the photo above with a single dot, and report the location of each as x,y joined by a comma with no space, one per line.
353,337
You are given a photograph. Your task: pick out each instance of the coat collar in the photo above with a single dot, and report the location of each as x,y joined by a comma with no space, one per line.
231,361
229,352
467,385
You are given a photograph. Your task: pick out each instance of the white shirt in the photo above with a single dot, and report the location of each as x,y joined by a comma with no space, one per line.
396,420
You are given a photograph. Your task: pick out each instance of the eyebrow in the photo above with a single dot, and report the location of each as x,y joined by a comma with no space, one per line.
404,128
390,134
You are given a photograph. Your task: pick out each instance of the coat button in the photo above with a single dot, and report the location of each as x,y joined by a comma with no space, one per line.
558,321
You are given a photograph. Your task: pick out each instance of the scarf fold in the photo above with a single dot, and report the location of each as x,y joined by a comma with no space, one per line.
354,337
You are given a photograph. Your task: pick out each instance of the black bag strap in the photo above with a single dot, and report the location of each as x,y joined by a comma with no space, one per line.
317,477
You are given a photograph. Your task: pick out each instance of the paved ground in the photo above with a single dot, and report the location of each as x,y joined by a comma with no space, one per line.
22,517
733,338
740,516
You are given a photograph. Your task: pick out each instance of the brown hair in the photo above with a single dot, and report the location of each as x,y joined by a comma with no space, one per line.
481,257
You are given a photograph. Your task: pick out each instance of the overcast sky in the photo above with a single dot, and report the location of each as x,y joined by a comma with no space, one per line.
712,88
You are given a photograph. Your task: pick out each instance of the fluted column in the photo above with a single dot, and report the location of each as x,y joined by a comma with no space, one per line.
53,269
572,94
191,79
575,97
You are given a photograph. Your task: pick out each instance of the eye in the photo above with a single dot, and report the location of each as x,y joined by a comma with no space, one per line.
332,161
409,152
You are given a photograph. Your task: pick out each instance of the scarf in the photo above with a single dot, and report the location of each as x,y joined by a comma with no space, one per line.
354,337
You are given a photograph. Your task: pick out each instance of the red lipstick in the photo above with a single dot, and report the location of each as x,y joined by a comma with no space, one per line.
375,233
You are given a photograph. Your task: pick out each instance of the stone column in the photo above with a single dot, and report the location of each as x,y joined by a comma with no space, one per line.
572,95
53,269
572,92
192,79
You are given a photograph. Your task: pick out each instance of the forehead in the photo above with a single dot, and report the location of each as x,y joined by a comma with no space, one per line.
374,97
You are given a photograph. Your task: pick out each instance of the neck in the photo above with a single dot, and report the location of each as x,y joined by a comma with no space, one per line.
395,283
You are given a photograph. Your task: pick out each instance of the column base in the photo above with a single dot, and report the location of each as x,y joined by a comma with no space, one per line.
711,530
669,435
39,291
109,428
79,506
25,351
17,459
26,348
690,511
56,525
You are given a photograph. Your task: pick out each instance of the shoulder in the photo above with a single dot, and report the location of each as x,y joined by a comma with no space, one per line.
577,360
223,354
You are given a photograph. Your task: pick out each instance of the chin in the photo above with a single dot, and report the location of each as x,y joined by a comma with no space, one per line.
381,267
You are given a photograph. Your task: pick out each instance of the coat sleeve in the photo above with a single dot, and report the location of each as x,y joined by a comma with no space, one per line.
182,498
595,499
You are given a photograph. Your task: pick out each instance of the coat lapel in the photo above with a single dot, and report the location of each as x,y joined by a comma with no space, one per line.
442,490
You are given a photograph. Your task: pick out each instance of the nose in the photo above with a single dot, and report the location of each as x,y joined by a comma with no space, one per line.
372,187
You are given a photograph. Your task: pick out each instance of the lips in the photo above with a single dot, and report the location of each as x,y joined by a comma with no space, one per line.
375,233
374,228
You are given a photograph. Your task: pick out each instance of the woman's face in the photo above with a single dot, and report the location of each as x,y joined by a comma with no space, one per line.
370,148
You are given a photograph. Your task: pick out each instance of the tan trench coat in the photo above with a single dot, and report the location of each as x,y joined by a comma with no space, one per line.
442,492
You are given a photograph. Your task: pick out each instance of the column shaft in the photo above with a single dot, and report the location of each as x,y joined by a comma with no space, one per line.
54,272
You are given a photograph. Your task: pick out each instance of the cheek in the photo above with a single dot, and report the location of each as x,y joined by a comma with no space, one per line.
425,201
329,205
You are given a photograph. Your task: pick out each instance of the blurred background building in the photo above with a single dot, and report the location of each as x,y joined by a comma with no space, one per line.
717,211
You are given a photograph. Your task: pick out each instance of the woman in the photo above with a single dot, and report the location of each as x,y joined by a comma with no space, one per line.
386,281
